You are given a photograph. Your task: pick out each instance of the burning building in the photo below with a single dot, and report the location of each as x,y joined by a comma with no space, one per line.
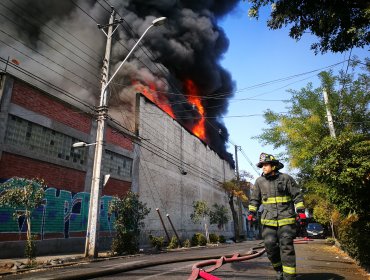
184,89
176,169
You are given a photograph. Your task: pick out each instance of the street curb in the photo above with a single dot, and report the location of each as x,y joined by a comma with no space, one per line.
132,266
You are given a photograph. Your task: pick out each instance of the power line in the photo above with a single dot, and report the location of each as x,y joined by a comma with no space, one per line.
66,31
39,79
42,64
142,47
47,44
249,161
162,151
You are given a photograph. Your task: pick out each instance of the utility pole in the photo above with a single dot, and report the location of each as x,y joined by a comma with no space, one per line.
236,162
238,182
92,233
91,246
328,114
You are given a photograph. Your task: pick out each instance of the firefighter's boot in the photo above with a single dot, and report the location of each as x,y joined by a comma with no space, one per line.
279,275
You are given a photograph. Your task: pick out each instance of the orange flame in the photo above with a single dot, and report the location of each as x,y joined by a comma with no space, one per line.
157,98
193,97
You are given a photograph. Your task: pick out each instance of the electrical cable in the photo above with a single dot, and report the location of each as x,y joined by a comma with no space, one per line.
173,157
169,153
53,30
54,62
51,47
39,79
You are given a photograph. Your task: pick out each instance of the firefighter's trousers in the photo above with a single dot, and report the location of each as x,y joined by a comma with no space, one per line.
280,248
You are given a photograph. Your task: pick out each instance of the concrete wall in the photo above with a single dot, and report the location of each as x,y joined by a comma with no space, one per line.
167,151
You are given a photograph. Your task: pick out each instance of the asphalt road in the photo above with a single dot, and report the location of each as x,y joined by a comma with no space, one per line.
315,260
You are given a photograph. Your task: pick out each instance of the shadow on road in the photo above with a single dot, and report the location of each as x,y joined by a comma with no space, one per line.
319,276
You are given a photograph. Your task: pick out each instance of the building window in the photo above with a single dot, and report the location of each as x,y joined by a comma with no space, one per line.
39,139
117,165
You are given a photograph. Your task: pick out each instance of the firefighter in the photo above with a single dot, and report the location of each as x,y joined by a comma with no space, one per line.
280,196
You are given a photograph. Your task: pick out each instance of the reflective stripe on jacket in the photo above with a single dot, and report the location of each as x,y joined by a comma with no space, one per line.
279,194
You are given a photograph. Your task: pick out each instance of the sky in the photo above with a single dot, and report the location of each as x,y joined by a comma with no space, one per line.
257,55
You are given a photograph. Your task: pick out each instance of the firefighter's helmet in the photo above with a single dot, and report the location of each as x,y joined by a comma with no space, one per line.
266,158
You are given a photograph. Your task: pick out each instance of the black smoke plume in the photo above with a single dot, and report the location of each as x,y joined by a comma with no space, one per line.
188,47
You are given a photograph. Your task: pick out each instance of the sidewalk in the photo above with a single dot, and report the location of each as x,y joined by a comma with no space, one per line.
15,265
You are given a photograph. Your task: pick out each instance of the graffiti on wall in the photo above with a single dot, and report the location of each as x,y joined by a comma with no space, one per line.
62,212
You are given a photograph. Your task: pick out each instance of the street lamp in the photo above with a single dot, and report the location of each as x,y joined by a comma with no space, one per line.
82,144
91,246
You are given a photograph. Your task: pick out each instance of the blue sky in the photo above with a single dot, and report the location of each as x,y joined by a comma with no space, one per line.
257,55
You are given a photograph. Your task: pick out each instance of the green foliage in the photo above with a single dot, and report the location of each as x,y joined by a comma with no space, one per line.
24,195
219,215
221,239
343,165
334,172
213,238
21,193
157,242
130,212
236,189
187,243
174,243
198,239
200,211
124,242
354,239
303,128
340,26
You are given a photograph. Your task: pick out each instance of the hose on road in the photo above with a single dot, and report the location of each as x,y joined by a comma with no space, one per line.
198,271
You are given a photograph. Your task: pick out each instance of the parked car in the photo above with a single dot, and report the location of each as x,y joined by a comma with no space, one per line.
315,230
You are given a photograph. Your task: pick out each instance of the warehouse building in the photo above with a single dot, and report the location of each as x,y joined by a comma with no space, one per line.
164,162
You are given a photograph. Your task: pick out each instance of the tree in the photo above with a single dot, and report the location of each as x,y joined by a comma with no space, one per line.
336,170
323,211
303,128
200,212
343,165
235,190
130,213
340,25
219,215
23,195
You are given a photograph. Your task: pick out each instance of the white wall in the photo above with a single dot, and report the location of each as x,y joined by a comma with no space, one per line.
161,184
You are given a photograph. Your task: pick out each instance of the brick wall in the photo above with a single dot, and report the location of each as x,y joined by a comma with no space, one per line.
32,99
65,213
54,175
115,137
116,187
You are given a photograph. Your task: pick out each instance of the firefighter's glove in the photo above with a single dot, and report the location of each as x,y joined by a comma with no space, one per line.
252,216
302,216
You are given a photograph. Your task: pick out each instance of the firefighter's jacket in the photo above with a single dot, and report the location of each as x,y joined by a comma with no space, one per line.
279,195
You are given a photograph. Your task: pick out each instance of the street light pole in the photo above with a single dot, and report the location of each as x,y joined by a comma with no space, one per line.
91,245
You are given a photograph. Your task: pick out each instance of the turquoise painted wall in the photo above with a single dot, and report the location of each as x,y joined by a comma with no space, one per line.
63,212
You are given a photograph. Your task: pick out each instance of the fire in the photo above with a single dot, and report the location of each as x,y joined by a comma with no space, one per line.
192,95
159,99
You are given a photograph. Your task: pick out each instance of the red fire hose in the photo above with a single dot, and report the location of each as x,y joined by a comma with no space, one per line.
197,270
